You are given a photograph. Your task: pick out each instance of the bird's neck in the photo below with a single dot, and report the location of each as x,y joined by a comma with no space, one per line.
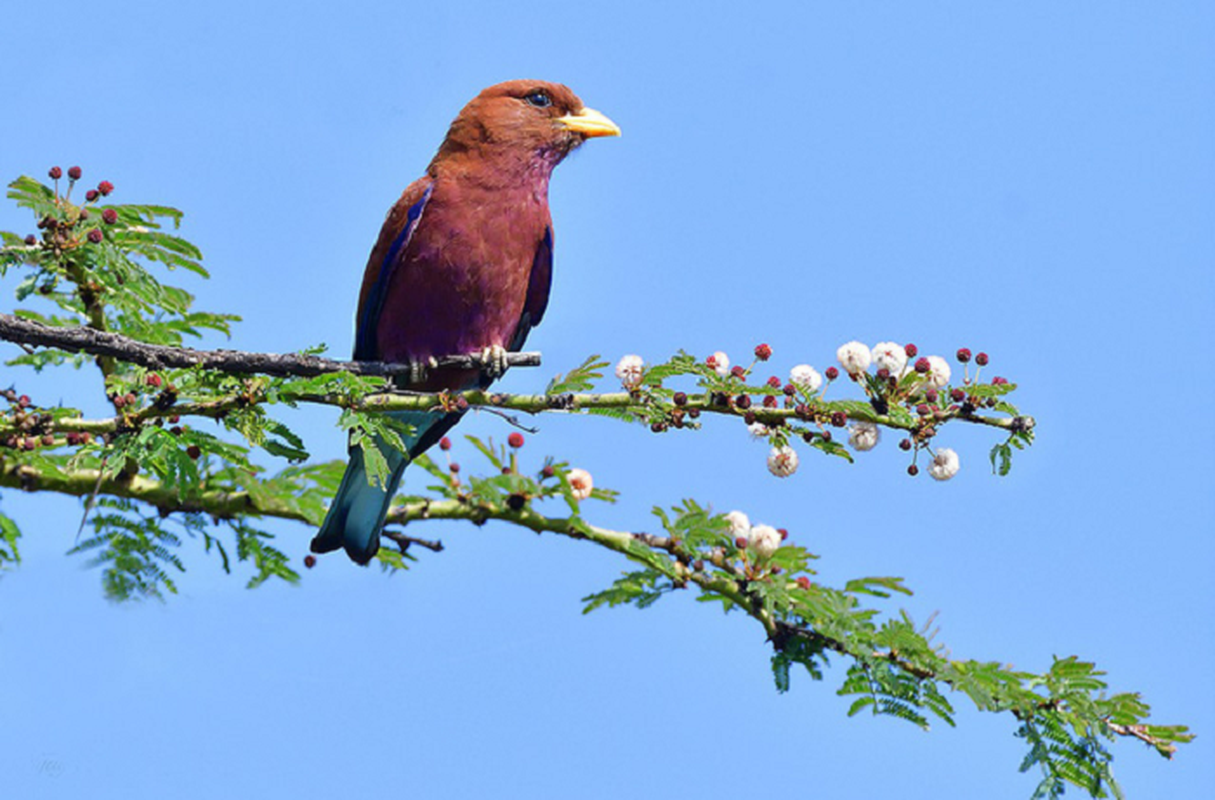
501,169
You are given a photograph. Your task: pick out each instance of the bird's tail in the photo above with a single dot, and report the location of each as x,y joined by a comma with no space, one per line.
357,513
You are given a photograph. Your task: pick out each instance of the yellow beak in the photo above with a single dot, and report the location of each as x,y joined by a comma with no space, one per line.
590,123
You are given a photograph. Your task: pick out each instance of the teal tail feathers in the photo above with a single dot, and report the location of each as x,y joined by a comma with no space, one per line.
356,516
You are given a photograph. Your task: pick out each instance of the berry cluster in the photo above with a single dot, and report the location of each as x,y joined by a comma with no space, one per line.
71,226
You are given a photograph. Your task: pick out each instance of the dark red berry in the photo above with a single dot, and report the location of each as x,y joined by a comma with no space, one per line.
803,582
48,440
310,561
839,419
74,173
905,444
515,439
923,409
84,213
784,533
763,352
825,436
743,401
741,542
999,381
778,569
738,372
175,430
86,437
981,359
506,470
922,366
698,565
24,401
658,427
883,373
516,502
770,401
96,235
105,187
90,195
931,395
194,451
749,418
109,216
790,389
56,173
963,355
774,382
445,443
693,412
802,410
31,240
911,350
957,395
130,398
679,399
832,373
913,470
454,467
547,472
119,400
30,443
174,419
153,380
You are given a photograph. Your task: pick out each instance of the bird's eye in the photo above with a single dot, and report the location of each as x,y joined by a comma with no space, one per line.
539,100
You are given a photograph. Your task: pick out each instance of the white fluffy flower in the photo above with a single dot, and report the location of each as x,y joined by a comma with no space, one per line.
758,430
782,461
938,373
580,483
739,524
805,376
864,436
854,357
629,370
764,540
891,356
944,464
720,362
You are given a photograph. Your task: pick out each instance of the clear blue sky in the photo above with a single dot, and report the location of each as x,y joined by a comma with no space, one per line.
1036,180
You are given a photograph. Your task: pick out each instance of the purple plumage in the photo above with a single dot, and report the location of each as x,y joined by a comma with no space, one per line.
463,264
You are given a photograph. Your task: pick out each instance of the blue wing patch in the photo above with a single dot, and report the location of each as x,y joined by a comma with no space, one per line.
365,334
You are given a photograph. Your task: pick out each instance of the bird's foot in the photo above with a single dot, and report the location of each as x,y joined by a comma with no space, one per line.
493,361
419,370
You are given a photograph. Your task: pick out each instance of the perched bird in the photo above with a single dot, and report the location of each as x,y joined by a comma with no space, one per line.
463,264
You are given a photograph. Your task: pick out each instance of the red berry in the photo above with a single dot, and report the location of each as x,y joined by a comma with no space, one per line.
309,561
109,216
175,430
86,437
445,443
905,444
923,410
56,173
547,472
130,399
981,359
963,355
658,427
105,187
680,399
738,372
957,395
31,240
832,373
922,366
74,173
194,451
749,418
741,542
174,419
743,401
454,467
693,412
883,373
95,235
770,401
153,380
911,350
825,436
515,439
48,440
784,534
839,419
931,395
24,401
790,389
913,470
999,381
516,502
90,195
774,382
803,582
763,352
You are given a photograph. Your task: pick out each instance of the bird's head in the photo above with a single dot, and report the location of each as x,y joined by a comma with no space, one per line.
524,121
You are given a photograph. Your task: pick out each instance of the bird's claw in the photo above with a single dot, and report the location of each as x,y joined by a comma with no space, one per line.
493,361
419,369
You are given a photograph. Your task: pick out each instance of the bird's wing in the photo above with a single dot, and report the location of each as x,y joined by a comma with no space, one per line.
538,285
402,221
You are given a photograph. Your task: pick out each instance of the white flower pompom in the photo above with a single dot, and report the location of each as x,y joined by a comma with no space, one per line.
854,357
739,524
629,370
805,376
944,464
580,483
758,430
720,362
782,461
764,540
938,373
890,356
864,436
